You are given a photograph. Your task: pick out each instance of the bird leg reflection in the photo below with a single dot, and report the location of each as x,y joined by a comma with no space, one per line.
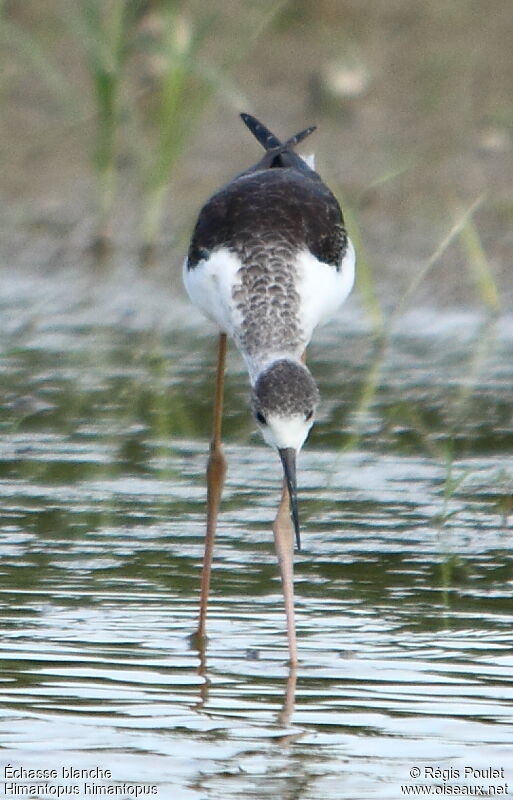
289,698
216,470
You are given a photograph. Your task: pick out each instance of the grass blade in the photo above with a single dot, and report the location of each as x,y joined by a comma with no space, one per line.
479,266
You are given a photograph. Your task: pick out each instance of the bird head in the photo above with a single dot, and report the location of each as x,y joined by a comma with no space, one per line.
283,402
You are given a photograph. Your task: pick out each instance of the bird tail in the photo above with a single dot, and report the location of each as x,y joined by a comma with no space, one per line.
277,153
262,134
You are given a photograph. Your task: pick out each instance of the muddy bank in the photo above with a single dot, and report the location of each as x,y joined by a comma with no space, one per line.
414,106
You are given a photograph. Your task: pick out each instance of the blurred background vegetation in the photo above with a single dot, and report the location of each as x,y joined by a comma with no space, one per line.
119,117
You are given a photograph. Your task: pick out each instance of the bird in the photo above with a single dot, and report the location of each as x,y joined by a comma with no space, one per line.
269,260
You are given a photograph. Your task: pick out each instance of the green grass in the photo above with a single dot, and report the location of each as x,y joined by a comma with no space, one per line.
456,229
479,267
108,42
106,31
187,82
383,327
181,96
464,231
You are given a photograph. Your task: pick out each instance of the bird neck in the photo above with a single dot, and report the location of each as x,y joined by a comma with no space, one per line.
257,363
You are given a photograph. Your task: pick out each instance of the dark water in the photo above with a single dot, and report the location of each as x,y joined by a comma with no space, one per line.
404,586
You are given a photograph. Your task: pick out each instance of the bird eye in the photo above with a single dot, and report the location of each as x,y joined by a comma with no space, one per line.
260,418
309,414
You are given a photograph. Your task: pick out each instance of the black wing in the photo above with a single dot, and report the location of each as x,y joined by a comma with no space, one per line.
283,207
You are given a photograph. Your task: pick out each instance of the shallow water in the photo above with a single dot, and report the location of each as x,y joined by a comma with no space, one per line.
403,588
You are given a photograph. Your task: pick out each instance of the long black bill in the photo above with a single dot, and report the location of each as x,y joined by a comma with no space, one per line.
288,459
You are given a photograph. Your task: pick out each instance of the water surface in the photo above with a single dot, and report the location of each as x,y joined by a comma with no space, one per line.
404,585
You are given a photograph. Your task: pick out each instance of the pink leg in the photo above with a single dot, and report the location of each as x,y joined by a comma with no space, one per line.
216,470
284,543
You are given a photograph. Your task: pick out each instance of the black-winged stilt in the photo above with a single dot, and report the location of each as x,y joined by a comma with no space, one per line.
269,260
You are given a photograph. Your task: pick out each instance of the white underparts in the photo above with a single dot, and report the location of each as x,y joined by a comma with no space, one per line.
321,287
210,286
